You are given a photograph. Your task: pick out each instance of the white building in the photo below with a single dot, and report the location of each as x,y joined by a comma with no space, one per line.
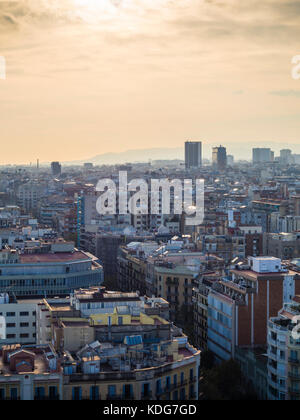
20,321
265,264
29,194
284,354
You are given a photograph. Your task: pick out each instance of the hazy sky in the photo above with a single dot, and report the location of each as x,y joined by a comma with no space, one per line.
86,77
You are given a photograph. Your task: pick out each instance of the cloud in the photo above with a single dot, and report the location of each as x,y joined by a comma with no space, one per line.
155,71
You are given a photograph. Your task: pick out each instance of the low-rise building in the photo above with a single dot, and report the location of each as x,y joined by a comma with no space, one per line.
133,370
47,269
120,346
30,373
20,320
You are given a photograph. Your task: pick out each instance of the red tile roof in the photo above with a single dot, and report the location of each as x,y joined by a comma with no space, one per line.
52,258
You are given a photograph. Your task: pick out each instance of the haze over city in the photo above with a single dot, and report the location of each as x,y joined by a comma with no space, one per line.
87,77
149,203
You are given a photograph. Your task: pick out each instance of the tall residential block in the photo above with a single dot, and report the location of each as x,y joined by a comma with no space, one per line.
193,154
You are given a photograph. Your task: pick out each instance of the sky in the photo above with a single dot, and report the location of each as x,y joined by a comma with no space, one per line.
86,77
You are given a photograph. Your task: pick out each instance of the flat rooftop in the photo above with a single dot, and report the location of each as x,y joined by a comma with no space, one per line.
253,275
60,307
76,323
53,258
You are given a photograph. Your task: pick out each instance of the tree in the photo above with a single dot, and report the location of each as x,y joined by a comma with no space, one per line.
225,382
207,360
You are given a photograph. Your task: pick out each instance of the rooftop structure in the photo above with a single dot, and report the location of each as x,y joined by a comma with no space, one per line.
48,269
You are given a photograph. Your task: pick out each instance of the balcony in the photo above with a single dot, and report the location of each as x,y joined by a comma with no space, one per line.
277,325
190,285
172,283
272,355
183,383
272,369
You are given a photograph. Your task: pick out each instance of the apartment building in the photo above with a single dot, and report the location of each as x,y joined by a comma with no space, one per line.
29,194
284,224
226,247
262,155
133,370
85,303
239,307
30,373
174,283
284,353
132,266
203,285
120,346
193,154
219,158
285,246
20,320
167,271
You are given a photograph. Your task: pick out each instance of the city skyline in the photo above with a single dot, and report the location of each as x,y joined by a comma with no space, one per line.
93,77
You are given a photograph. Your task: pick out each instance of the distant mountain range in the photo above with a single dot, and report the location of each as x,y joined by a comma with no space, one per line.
239,150
138,155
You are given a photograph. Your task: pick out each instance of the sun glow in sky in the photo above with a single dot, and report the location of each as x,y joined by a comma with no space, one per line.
95,76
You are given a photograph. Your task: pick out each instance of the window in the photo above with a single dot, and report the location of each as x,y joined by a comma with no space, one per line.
94,392
294,355
10,335
39,393
24,313
76,393
2,393
158,386
10,325
53,392
24,335
111,390
24,324
10,314
146,390
14,393
127,391
182,377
